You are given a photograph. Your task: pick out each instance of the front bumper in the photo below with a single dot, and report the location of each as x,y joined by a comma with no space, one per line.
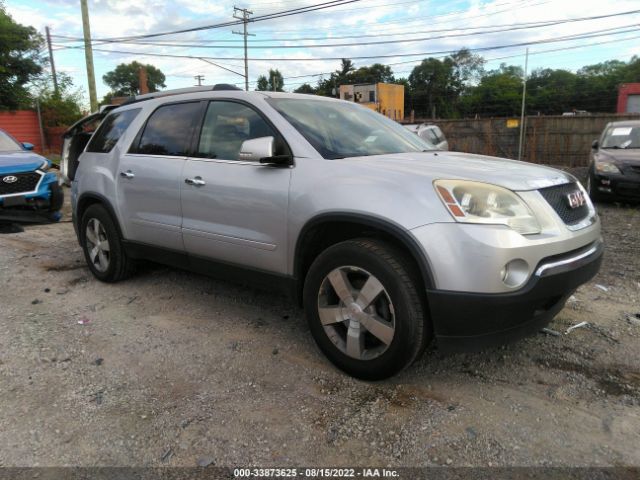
613,186
472,321
41,205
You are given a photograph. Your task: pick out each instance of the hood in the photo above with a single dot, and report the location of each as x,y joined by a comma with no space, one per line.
619,155
20,161
511,174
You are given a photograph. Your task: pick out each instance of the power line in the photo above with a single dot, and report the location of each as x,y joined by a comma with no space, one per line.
186,43
114,40
284,13
386,42
404,24
504,57
591,34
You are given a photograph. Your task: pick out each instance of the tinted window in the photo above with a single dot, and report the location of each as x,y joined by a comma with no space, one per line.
168,130
226,126
110,131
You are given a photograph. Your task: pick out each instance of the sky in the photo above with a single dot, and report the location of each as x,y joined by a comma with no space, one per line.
409,26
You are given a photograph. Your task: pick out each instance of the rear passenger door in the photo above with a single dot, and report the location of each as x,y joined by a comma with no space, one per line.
150,175
235,211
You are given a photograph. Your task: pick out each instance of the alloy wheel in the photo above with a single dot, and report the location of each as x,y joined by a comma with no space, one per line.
97,245
356,312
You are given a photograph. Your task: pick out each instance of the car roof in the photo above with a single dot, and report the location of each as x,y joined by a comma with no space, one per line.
625,123
175,96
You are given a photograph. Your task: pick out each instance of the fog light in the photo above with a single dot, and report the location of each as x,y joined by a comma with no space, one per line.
515,273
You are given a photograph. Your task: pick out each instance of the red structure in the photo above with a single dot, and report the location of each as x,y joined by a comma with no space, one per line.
23,125
629,98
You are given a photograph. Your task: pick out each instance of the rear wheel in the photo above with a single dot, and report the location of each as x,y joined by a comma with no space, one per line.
102,246
364,309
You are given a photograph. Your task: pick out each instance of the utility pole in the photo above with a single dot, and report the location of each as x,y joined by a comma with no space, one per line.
88,55
199,78
524,95
53,65
244,16
143,83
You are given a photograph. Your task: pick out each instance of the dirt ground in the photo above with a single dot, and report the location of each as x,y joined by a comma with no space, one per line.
172,368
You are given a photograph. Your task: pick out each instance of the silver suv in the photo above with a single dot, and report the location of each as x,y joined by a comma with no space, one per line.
387,243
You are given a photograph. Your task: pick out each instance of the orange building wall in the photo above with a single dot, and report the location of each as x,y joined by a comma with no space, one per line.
391,100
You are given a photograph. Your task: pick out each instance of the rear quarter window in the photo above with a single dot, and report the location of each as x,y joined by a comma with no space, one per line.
110,131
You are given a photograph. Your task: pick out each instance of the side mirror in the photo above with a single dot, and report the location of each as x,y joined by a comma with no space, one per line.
27,145
262,150
595,145
256,149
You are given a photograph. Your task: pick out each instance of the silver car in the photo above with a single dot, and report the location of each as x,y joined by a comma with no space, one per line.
388,243
430,133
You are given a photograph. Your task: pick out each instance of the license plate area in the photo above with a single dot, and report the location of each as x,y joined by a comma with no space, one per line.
17,201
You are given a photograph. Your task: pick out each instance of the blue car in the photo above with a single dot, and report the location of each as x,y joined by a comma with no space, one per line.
28,191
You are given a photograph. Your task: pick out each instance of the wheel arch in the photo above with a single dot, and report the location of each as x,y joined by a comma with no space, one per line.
326,229
85,201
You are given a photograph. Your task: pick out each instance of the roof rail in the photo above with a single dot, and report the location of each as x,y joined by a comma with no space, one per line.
180,91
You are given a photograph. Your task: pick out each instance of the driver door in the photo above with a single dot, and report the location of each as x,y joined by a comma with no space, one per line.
234,211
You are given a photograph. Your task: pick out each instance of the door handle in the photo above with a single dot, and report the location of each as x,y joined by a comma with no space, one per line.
127,174
197,181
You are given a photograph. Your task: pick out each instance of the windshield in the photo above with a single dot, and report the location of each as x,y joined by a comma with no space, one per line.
8,144
342,129
622,137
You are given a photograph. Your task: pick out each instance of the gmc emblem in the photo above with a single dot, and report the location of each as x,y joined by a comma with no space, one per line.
576,199
10,179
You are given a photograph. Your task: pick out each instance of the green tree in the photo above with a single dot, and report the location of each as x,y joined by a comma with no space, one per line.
551,92
499,93
632,71
346,67
437,85
20,61
372,74
597,86
468,68
274,83
328,87
433,87
305,88
124,80
62,108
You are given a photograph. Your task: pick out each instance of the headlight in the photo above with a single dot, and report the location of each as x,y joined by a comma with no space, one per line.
607,167
45,166
475,202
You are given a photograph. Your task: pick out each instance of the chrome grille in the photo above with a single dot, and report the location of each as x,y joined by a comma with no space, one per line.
556,196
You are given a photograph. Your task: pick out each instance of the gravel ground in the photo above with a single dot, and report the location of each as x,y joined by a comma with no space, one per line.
172,368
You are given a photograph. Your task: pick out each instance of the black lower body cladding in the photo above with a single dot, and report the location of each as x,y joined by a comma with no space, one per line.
472,321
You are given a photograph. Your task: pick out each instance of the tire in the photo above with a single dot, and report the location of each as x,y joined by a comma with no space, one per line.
57,198
118,265
399,308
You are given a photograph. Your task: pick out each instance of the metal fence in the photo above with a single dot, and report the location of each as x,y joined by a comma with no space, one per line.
557,140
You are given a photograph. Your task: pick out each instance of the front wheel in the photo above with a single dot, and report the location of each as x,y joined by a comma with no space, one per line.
365,311
592,190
